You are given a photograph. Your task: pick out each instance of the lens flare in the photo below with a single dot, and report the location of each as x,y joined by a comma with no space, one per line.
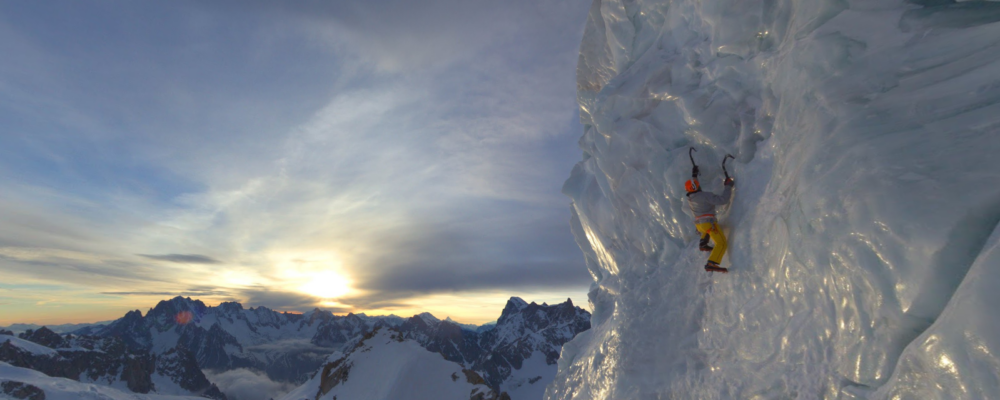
183,317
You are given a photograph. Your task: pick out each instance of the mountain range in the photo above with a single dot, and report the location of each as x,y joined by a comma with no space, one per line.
169,349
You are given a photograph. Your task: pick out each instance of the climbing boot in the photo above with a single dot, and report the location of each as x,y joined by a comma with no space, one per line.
713,267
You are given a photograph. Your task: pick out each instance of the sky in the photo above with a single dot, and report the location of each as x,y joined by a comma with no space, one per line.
386,157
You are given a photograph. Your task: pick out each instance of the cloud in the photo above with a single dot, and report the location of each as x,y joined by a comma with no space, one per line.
187,293
245,384
295,349
396,36
290,346
466,251
277,299
424,142
140,293
53,265
182,258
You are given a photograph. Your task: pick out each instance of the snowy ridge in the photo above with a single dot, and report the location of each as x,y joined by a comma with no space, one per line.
385,365
17,382
468,327
520,351
107,362
516,359
861,234
30,347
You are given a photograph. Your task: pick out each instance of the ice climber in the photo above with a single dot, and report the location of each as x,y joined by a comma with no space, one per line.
703,204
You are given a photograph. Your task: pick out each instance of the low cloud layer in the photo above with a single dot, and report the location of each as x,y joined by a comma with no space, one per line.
290,346
245,384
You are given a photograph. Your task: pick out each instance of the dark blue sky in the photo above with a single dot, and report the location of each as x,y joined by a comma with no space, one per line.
378,156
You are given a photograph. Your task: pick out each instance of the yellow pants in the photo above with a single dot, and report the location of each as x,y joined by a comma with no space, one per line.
712,229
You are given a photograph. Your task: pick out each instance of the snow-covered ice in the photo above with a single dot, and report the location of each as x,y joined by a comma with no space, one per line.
862,247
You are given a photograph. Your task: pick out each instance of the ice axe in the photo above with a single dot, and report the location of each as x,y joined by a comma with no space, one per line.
728,156
694,167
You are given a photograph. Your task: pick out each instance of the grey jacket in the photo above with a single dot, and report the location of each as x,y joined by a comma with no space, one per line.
703,204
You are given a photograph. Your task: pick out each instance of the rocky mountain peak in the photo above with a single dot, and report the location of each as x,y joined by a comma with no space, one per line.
178,304
44,337
428,318
231,307
134,315
514,304
318,315
179,310
131,329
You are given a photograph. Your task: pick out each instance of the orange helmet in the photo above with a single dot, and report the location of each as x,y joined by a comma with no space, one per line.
692,185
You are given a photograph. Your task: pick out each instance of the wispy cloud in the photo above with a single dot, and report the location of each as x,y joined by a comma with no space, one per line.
182,258
423,144
189,293
277,299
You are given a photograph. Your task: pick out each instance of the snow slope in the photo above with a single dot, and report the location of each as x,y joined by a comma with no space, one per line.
30,347
386,366
105,362
862,240
529,382
65,389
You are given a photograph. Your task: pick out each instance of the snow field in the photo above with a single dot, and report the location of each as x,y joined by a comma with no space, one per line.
528,382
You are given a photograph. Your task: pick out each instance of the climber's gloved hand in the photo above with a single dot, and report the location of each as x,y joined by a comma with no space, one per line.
729,182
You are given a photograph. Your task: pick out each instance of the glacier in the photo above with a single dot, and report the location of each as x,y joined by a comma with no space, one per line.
864,253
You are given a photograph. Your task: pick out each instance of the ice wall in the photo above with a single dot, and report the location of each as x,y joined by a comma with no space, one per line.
862,247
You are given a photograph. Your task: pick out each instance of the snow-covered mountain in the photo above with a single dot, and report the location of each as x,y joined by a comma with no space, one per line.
862,233
515,359
520,352
287,346
107,362
28,384
525,334
384,365
167,350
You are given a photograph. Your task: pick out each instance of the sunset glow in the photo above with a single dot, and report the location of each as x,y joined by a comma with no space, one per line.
326,285
293,156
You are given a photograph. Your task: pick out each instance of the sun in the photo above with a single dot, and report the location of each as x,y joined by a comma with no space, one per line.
318,273
326,285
